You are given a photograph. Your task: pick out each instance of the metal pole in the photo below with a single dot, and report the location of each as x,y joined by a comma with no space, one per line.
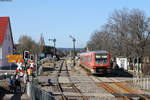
10,66
54,53
74,52
73,39
54,40
36,58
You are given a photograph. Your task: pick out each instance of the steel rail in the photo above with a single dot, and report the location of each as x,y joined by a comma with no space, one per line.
131,91
59,85
113,91
73,85
60,68
105,86
123,87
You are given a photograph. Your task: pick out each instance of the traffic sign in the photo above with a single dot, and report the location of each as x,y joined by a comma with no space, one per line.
11,61
14,57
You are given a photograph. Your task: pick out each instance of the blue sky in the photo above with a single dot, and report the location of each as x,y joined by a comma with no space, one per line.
61,18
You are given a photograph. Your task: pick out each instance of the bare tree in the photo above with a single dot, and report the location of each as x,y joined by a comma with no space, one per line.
41,44
101,40
118,23
26,43
139,26
125,34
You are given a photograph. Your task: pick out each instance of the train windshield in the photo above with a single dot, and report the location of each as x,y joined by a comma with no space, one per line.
101,59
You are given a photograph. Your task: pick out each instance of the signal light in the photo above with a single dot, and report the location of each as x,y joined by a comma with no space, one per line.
31,57
94,67
26,54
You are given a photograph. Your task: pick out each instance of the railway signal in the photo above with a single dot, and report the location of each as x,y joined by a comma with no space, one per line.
26,55
74,40
54,55
31,57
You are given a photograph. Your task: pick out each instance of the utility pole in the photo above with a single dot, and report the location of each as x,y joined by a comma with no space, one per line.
74,40
54,53
36,59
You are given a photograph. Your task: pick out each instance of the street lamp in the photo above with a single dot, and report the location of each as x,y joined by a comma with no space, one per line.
73,39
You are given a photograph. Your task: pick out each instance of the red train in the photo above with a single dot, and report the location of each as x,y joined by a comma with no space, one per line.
97,62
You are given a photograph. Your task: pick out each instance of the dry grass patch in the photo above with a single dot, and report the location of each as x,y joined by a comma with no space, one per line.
4,84
46,64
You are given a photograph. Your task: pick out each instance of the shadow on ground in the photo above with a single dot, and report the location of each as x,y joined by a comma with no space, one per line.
16,97
117,73
12,67
3,91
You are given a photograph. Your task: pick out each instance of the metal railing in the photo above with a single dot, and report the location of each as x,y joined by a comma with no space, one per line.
142,82
38,94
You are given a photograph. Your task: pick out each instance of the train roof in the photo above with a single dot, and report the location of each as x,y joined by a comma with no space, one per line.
100,52
97,52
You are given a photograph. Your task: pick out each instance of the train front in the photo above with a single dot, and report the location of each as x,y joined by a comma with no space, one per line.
102,63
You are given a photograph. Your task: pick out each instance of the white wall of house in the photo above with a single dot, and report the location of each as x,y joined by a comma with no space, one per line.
7,47
122,63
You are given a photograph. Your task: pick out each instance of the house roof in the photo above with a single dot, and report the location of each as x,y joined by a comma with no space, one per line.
4,23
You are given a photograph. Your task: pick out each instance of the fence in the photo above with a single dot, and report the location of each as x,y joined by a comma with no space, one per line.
142,82
141,77
38,94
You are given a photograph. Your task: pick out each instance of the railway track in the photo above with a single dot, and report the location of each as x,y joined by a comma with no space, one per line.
68,91
121,91
68,85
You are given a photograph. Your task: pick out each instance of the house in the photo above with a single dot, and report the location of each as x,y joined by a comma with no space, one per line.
122,62
6,42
